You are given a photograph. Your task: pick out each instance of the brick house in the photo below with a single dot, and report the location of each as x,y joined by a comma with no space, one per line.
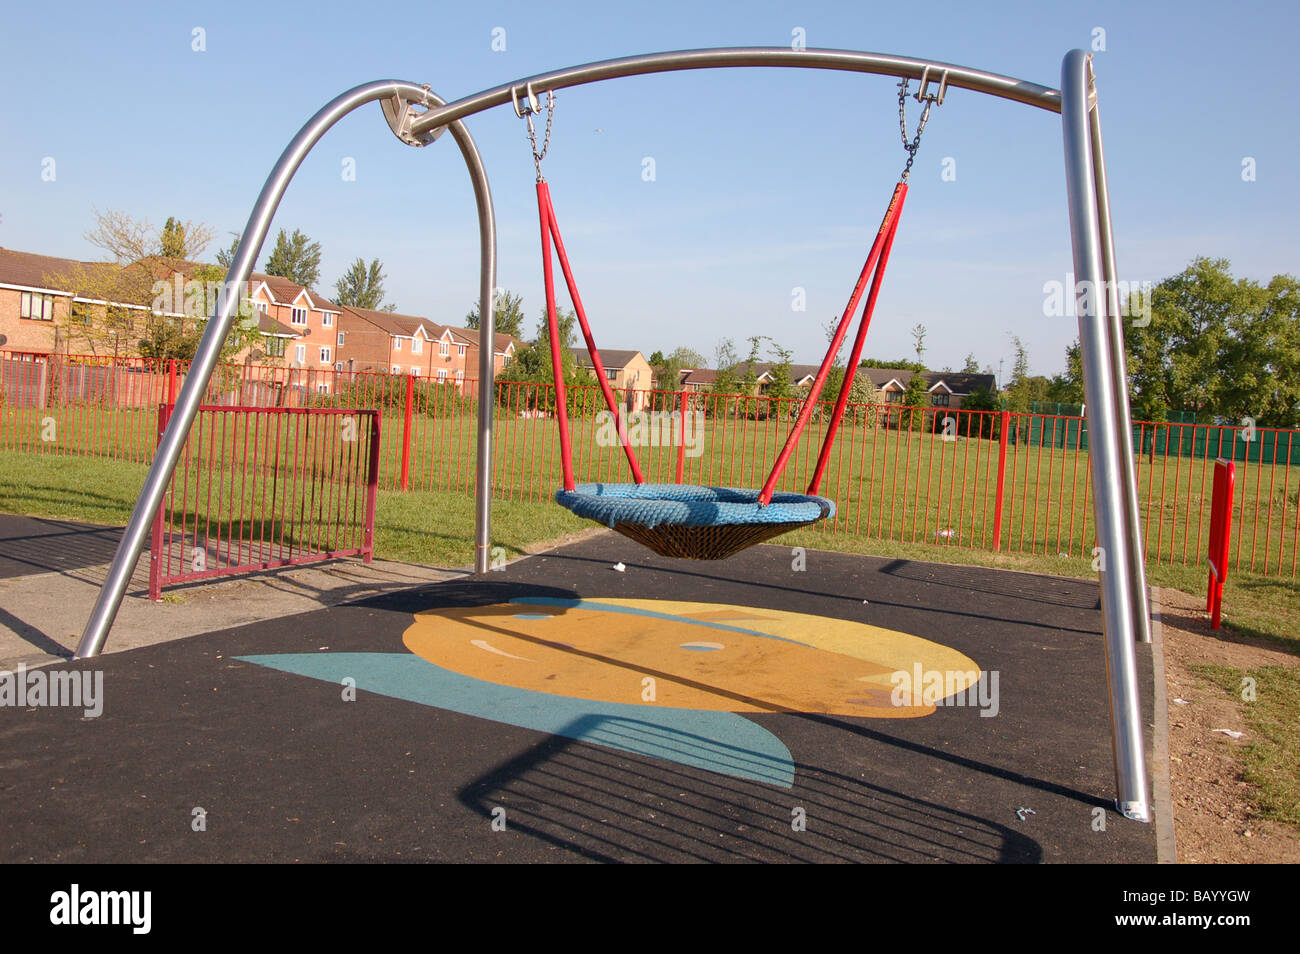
697,380
946,389
626,371
394,343
30,310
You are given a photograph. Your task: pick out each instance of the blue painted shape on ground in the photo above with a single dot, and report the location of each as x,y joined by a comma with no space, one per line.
721,742
639,611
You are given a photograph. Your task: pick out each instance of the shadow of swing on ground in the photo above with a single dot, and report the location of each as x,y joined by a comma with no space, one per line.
612,806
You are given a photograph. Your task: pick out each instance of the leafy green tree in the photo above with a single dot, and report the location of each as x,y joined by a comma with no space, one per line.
902,364
362,285
980,425
1261,356
226,256
918,341
508,315
173,239
972,366
1177,360
531,364
295,257
1067,388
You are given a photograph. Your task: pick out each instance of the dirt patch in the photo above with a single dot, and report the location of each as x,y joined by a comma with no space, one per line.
1214,820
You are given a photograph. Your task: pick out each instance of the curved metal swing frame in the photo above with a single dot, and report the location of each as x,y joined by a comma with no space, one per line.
418,117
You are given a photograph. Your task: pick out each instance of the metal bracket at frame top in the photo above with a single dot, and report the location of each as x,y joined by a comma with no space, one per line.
530,107
923,94
402,113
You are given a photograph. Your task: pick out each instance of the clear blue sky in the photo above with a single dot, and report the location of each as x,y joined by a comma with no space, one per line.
766,179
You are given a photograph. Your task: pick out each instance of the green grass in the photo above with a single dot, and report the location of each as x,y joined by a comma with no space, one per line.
902,486
437,527
1272,756
427,527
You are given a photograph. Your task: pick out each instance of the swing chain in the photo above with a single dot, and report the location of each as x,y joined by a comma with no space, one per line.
527,112
922,95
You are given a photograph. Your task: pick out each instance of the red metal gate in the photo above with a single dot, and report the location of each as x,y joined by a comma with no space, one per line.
260,487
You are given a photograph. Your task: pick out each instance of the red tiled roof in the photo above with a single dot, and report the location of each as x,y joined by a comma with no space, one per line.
285,291
34,271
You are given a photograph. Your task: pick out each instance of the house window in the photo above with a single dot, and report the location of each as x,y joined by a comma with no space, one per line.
273,346
327,320
397,344
460,375
442,375
340,339
325,355
397,369
444,349
300,353
323,389
37,307
415,372
259,307
461,349
893,397
611,373
417,345
940,400
297,316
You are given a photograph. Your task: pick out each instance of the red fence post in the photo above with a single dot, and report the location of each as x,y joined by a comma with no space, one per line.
372,482
1225,476
681,444
1003,428
171,383
156,541
406,429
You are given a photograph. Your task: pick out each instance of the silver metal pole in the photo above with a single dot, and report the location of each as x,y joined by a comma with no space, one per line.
209,350
995,84
486,355
1119,364
1106,431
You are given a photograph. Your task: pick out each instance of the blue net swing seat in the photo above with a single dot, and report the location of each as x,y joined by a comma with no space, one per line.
692,522
682,520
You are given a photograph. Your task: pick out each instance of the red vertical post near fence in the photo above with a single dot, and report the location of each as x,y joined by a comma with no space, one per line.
1003,427
406,429
171,383
372,480
156,540
681,444
1225,477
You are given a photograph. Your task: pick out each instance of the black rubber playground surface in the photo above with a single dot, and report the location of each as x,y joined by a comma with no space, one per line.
272,763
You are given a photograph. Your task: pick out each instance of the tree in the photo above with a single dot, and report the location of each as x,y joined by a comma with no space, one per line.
508,315
901,364
918,340
173,239
982,425
362,286
1220,347
971,366
917,392
295,257
668,368
226,256
531,364
120,312
1067,388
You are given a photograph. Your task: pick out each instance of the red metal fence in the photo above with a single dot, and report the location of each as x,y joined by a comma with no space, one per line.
259,487
1003,481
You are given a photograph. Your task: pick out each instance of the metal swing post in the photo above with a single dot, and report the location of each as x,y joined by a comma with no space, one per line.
1125,616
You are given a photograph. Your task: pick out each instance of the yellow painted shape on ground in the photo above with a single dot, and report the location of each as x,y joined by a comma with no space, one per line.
585,652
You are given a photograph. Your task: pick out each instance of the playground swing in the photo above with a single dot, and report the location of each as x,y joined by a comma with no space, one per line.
700,522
